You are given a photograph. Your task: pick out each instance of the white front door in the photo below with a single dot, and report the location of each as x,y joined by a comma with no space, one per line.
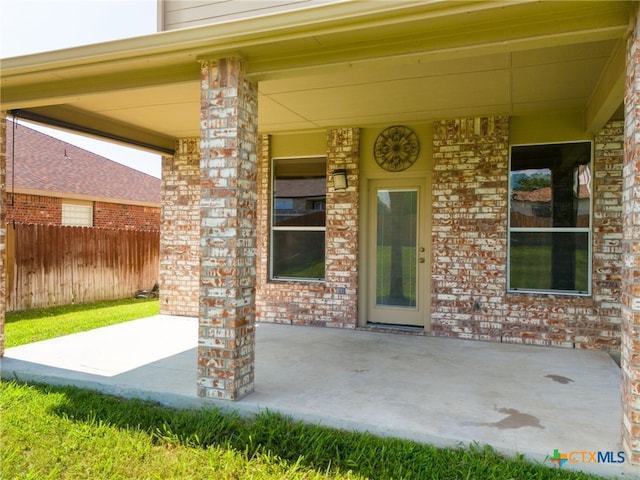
397,289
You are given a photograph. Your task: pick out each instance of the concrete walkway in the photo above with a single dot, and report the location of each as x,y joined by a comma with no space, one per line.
530,400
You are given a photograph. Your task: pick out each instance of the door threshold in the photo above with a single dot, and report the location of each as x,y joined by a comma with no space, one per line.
392,327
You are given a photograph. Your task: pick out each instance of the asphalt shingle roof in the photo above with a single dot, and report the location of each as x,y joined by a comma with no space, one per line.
40,164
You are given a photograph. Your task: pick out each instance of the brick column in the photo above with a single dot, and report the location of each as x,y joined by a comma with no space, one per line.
180,230
228,166
630,328
599,325
341,266
3,230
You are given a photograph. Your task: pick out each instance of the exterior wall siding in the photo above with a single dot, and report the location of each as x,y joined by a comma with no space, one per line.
469,233
180,230
179,14
332,302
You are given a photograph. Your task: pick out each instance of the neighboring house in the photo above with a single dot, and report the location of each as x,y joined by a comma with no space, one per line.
430,107
55,183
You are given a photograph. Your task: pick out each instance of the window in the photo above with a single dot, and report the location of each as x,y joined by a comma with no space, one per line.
80,215
298,218
550,218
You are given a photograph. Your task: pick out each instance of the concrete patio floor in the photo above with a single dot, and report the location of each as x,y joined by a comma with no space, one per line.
446,392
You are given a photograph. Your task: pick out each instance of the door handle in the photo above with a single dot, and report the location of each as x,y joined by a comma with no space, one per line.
421,260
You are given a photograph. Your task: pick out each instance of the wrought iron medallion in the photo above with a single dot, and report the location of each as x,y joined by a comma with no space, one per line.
396,148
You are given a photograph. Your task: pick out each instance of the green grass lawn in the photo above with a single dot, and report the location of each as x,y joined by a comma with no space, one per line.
29,326
68,433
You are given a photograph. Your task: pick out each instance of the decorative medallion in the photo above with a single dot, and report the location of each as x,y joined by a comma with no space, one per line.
396,148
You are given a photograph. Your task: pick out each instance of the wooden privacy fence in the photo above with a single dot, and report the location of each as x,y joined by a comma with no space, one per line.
58,265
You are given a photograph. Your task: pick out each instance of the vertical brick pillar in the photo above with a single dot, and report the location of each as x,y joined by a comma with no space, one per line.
180,230
3,230
228,166
599,327
630,328
263,217
341,263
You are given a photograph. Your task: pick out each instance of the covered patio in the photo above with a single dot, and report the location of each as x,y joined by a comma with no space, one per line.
446,392
224,100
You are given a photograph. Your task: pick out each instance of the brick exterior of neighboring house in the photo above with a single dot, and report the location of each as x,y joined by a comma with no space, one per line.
50,172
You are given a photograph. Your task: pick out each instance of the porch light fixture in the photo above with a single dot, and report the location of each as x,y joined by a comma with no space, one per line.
340,179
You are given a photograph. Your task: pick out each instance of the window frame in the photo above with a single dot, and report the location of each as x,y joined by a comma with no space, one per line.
588,230
273,228
87,208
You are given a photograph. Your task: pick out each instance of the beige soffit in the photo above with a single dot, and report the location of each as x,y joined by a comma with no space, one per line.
146,89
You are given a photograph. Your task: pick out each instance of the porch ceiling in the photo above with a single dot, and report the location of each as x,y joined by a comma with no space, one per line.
351,63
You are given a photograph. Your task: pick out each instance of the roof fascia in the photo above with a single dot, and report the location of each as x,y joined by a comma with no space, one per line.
61,90
237,33
172,56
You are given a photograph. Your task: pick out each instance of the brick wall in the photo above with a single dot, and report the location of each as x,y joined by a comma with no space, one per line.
180,230
469,231
128,217
33,209
44,210
601,328
630,310
334,301
471,164
583,322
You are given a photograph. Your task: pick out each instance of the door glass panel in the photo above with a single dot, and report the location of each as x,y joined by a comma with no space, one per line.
396,255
